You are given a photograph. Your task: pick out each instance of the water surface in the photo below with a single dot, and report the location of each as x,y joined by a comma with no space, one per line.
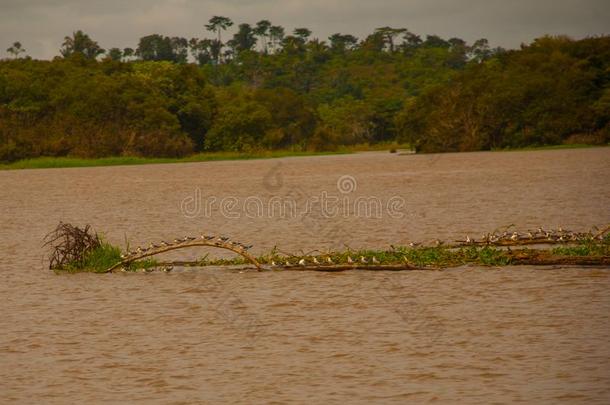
481,335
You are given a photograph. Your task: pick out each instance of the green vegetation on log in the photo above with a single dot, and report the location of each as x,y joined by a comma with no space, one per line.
101,258
264,90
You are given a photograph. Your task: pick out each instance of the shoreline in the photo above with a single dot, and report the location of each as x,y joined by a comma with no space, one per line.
75,162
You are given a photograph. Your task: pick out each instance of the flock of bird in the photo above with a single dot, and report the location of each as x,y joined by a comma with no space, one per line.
323,261
559,235
212,240
541,235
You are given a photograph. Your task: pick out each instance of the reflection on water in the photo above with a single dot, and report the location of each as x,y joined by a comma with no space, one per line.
478,334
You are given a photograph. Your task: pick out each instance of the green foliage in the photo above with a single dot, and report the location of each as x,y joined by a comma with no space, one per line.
80,43
97,261
157,48
550,92
293,92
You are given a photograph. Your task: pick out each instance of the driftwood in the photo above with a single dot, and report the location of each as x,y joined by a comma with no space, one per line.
217,242
322,267
70,244
542,259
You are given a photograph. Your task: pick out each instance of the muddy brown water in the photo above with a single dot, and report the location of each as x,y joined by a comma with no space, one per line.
477,335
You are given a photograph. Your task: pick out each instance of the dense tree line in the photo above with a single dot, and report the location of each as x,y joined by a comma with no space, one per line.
265,89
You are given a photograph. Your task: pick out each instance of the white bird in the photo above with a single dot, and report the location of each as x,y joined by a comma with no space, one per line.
515,236
315,260
273,263
287,263
468,239
302,262
363,260
329,260
349,260
375,260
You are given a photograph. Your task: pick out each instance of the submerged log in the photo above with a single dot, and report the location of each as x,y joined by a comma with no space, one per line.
545,260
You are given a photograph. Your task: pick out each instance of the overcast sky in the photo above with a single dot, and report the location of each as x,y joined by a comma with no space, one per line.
40,25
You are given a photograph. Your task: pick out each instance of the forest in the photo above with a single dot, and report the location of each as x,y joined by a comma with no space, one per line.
265,89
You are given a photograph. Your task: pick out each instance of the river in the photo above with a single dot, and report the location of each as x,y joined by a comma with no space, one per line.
470,334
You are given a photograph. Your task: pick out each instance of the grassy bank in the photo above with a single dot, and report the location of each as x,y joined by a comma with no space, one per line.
67,162
62,162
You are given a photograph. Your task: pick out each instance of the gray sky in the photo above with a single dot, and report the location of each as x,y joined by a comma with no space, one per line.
40,25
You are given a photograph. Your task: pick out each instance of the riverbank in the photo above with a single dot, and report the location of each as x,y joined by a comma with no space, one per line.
69,162
66,162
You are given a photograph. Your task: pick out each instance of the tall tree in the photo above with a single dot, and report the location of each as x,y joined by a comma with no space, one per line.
302,33
411,41
480,50
340,42
262,31
180,47
201,50
218,24
156,47
80,42
16,49
434,41
128,53
244,39
389,34
114,54
276,36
